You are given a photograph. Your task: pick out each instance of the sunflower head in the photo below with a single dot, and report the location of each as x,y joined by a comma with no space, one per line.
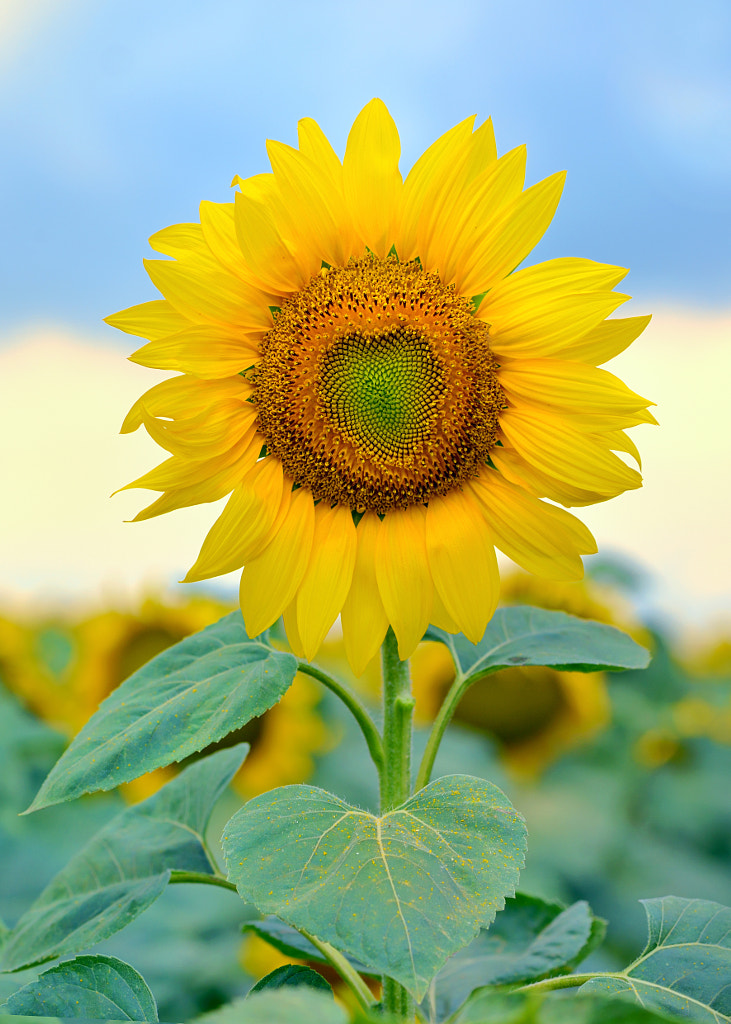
383,396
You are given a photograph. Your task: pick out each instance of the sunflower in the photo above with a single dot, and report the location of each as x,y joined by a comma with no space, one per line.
385,399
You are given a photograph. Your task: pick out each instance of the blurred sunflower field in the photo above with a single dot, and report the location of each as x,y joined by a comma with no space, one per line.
591,761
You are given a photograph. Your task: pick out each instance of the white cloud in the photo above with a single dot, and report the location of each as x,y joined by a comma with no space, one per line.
63,398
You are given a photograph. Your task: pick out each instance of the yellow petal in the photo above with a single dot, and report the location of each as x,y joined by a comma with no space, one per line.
552,447
151,320
270,581
606,340
212,488
586,394
212,432
180,471
426,181
182,397
246,524
403,574
547,328
520,472
327,580
440,616
289,617
515,233
216,297
185,242
314,144
511,302
482,150
265,252
322,222
618,441
462,562
468,217
219,230
203,350
541,538
363,617
371,177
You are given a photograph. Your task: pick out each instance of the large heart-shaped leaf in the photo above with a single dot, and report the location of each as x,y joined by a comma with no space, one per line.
520,635
186,698
685,968
125,867
89,986
301,1005
530,939
401,893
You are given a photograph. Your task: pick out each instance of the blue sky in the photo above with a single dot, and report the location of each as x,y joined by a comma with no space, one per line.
117,118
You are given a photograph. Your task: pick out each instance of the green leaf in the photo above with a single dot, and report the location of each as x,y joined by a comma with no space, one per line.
124,867
89,986
186,698
520,635
490,1007
285,1006
292,943
528,940
685,968
292,975
402,892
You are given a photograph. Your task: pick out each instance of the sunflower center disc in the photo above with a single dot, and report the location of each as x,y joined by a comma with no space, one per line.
377,387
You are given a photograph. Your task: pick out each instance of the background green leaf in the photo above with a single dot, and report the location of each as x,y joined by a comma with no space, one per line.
520,635
125,867
685,969
490,1007
285,1006
89,986
292,976
186,698
528,940
401,893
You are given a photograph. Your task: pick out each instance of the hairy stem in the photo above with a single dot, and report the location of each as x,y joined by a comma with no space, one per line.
353,704
566,981
398,711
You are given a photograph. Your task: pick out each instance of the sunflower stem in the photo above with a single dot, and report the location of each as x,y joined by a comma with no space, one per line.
444,717
345,969
358,710
199,878
395,778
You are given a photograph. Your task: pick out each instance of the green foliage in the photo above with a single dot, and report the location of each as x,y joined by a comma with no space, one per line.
489,1007
426,876
89,986
186,698
285,1006
520,635
685,969
125,867
528,940
293,975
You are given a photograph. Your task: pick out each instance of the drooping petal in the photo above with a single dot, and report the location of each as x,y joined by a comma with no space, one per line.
329,574
271,580
462,562
363,616
554,448
540,537
247,524
184,397
187,243
403,574
372,178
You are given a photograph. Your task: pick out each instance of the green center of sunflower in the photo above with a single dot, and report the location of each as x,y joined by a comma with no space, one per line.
377,386
382,389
